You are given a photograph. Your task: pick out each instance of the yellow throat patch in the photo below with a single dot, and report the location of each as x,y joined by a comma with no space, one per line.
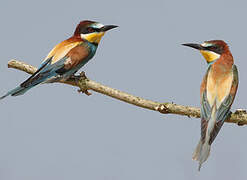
209,55
93,37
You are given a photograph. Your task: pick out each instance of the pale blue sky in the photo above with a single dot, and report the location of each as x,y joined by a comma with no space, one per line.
54,133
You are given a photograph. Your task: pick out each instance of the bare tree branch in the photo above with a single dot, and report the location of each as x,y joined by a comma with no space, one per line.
239,116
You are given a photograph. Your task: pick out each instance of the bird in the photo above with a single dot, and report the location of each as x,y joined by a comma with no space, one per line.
217,93
67,57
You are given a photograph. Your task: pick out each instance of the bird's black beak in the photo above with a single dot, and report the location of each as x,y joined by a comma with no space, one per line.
107,27
195,46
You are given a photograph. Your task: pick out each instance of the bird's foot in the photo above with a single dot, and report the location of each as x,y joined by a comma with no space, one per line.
82,84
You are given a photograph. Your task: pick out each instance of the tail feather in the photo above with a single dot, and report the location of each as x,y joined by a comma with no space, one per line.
201,153
20,90
45,72
15,92
197,151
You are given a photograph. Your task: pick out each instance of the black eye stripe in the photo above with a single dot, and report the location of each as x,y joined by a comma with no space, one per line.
97,30
83,30
215,49
87,30
90,29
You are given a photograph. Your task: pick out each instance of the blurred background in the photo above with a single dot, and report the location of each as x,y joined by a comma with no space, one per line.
55,133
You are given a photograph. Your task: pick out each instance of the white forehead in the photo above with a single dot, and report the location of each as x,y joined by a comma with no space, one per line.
97,25
206,44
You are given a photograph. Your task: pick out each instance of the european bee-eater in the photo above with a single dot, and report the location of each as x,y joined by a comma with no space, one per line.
218,90
67,57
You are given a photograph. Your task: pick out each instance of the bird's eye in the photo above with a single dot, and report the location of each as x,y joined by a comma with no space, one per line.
215,48
90,29
211,48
